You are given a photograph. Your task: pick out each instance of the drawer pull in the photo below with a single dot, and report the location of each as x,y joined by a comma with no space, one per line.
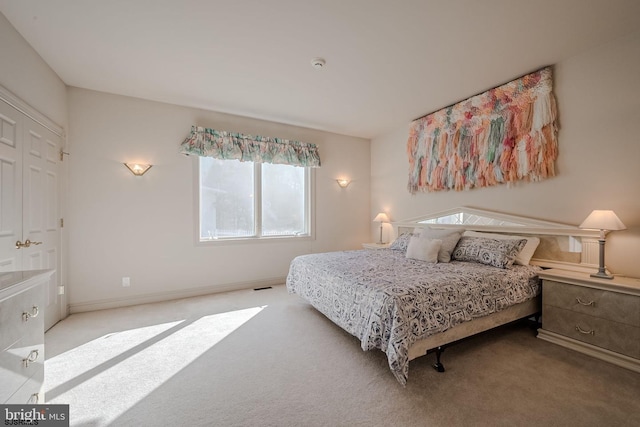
32,357
34,313
582,331
591,303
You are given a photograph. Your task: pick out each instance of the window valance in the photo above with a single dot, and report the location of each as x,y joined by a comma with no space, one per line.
247,148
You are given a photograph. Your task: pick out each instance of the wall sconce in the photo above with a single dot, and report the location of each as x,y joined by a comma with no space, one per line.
138,169
603,221
343,183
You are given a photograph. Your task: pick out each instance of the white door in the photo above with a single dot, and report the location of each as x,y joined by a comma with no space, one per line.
10,187
29,188
40,224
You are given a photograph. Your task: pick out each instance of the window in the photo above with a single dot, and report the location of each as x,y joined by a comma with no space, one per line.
240,200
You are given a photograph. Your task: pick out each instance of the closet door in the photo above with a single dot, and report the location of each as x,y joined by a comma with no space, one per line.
29,189
10,187
40,209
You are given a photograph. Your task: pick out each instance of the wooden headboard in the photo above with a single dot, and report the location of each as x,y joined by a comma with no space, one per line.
561,246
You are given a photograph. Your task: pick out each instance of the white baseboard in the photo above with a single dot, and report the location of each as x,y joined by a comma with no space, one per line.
170,295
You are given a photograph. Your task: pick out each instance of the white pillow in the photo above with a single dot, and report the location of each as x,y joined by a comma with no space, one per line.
423,249
525,254
449,237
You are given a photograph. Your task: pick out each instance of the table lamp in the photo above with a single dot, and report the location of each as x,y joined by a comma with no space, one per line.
381,218
604,221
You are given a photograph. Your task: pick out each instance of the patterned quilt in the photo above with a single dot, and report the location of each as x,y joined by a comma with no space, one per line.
389,301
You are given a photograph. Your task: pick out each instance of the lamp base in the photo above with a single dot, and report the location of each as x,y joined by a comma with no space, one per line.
602,272
600,275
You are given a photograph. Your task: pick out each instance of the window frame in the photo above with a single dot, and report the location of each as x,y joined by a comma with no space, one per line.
257,205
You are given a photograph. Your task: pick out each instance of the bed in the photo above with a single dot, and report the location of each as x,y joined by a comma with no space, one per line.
406,306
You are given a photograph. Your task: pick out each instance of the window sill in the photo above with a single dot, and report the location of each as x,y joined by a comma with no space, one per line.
253,240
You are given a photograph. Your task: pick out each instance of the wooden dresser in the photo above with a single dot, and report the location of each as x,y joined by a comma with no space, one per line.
22,301
598,317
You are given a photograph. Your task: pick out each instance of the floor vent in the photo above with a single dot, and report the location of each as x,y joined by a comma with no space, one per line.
262,289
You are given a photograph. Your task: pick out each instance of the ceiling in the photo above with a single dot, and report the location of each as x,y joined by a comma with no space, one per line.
387,62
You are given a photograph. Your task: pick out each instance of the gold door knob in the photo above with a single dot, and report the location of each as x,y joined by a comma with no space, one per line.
26,244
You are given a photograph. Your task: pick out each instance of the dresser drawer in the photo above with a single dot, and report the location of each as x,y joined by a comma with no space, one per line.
31,392
18,363
614,336
12,319
618,307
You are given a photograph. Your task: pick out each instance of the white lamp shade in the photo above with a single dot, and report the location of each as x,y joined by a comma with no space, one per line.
603,220
381,217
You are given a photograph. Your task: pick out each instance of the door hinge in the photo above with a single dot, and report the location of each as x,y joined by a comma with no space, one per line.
62,153
60,289
61,222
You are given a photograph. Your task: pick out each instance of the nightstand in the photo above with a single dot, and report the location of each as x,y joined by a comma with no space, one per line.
598,317
375,245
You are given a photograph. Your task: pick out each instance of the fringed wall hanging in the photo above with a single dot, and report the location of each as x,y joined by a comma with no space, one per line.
506,134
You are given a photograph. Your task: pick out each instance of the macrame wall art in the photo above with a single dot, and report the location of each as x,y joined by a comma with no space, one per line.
506,134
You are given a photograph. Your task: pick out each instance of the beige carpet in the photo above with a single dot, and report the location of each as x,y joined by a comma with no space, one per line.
266,358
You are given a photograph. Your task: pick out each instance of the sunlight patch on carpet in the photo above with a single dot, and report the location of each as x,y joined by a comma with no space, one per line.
109,375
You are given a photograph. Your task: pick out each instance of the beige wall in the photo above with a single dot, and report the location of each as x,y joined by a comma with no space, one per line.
120,225
144,227
598,167
25,73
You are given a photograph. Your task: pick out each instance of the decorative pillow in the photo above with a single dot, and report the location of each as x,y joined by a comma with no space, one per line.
496,252
401,243
423,249
449,240
525,254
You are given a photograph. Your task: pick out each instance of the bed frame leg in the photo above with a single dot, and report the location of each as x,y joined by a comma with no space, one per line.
439,366
535,322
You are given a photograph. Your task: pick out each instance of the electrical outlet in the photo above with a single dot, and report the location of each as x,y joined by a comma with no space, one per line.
126,282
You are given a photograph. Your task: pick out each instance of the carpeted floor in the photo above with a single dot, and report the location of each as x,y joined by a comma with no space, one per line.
266,358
